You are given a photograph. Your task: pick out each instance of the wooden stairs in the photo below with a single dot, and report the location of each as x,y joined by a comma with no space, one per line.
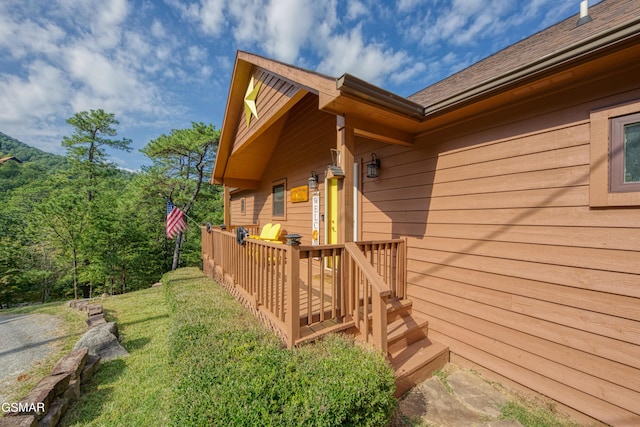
412,354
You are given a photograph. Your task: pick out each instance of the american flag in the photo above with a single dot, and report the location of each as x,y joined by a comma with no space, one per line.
175,220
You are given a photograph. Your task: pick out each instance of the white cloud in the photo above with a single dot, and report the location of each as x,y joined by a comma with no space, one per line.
38,95
157,29
208,14
196,54
287,28
212,16
348,53
356,9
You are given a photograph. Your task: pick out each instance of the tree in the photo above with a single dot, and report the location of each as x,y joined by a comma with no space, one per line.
86,148
62,219
181,160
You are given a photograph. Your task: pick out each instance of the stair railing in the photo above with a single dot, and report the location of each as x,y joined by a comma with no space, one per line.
367,293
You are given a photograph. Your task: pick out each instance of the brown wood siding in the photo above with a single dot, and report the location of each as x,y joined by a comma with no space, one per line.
510,265
304,145
273,94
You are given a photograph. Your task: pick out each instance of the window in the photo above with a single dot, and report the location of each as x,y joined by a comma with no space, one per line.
278,191
624,154
614,175
243,206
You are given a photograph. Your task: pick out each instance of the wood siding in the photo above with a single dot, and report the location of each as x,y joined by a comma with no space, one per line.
274,93
507,261
304,145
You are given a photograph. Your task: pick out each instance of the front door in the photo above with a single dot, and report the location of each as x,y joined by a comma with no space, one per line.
331,214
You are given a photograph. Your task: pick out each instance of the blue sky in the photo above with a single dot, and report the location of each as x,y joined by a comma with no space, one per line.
161,64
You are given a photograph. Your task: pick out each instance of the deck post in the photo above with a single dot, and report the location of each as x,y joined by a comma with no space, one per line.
379,322
292,317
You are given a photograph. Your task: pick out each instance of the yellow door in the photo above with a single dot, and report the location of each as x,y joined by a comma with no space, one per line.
331,214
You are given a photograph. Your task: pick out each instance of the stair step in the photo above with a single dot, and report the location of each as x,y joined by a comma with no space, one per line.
417,362
402,307
398,308
312,333
405,331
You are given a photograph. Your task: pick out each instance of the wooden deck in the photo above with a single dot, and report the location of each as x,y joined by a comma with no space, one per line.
305,292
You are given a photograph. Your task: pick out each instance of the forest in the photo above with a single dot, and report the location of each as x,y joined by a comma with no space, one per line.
77,226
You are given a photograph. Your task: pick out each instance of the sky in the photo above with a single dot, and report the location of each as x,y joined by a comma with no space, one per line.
159,65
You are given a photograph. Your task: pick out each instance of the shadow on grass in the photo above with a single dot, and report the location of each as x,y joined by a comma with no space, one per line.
95,395
137,344
148,319
174,280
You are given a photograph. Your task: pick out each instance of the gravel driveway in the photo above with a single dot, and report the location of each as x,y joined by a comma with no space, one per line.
24,340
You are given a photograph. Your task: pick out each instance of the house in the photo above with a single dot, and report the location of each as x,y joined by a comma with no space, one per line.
502,207
7,158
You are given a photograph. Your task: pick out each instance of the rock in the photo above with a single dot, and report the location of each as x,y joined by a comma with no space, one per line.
90,368
103,296
156,285
112,327
102,342
72,363
476,393
19,421
98,319
73,390
42,395
82,305
75,303
94,309
58,408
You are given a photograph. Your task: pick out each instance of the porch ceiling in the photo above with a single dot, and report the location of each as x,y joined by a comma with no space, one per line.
247,163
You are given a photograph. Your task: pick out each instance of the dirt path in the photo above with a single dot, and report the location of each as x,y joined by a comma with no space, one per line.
24,341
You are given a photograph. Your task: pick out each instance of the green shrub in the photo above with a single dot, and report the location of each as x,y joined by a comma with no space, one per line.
232,371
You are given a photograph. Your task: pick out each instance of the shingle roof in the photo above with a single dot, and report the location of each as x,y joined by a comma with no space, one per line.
605,15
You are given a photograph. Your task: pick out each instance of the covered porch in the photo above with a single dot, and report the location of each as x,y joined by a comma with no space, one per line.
304,292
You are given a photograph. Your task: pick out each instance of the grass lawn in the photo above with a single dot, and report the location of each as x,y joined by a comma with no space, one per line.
134,390
198,358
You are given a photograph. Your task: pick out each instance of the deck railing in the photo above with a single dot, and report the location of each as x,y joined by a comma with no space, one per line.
302,289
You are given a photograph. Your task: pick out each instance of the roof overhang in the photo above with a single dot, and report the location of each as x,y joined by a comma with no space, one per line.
550,68
380,115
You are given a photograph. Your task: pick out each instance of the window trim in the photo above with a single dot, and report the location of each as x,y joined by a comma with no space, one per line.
243,206
600,194
616,150
274,185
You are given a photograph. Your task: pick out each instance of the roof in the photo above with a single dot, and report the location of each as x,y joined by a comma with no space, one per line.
6,159
559,55
607,15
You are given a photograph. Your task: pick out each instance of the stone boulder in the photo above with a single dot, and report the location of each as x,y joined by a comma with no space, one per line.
102,340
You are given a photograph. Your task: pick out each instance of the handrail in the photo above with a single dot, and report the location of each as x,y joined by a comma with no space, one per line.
296,288
370,273
379,293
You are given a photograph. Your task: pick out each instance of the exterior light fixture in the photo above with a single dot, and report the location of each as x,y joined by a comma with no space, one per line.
333,170
373,167
313,181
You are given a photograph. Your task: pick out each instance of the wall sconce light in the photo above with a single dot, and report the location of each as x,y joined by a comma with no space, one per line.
373,167
313,181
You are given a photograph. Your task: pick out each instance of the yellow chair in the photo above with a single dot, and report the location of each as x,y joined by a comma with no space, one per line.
273,235
266,230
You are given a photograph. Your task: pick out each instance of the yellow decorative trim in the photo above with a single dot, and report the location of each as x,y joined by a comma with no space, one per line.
250,101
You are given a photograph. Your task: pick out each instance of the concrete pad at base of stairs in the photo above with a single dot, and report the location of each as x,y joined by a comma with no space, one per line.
476,393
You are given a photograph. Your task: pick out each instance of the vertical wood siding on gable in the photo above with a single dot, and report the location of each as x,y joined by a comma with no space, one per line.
304,146
273,94
510,265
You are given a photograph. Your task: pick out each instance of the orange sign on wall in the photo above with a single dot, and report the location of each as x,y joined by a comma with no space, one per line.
299,194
